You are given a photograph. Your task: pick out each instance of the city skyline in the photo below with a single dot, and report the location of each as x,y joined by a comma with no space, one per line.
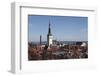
63,28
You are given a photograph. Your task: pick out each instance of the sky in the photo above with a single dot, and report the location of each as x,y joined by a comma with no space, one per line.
63,28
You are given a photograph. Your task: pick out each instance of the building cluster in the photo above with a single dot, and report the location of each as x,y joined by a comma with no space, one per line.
54,49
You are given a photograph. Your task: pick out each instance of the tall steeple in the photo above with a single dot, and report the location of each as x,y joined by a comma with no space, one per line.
49,36
49,30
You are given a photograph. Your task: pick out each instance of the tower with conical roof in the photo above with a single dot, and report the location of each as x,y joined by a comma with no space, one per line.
49,36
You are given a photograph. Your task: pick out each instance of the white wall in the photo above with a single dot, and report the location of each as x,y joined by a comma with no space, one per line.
5,33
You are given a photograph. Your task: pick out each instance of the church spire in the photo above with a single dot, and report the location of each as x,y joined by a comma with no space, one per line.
49,30
49,36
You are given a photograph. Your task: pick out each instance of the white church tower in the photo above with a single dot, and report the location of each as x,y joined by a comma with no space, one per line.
49,36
